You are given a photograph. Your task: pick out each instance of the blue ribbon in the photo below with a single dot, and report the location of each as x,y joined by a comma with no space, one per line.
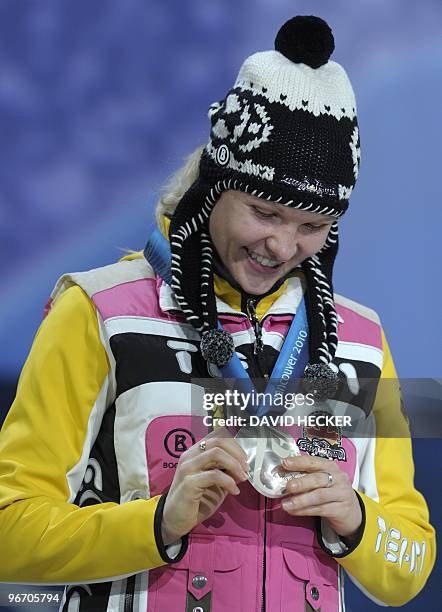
294,354
157,253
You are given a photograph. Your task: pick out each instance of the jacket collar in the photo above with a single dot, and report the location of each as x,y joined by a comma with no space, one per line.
284,301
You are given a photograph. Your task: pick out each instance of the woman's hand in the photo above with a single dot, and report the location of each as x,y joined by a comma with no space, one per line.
316,494
202,481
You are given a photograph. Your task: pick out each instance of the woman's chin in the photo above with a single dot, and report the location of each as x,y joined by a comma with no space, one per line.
256,285
252,278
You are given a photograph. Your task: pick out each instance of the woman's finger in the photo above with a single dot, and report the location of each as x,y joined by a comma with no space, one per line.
215,457
314,480
306,463
311,499
220,438
201,481
329,510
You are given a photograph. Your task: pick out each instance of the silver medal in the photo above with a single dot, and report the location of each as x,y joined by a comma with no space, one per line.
266,447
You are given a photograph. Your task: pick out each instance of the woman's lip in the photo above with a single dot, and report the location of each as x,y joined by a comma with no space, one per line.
259,268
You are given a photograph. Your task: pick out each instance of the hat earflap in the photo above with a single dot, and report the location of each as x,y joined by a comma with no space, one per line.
319,378
192,254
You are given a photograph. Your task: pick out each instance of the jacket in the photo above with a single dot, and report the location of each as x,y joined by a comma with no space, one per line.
108,400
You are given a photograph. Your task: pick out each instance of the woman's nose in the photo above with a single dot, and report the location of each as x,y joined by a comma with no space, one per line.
283,244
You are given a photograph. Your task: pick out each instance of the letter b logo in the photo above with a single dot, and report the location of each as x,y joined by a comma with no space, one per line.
177,441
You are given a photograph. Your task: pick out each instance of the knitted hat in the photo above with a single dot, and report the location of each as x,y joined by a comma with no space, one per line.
286,132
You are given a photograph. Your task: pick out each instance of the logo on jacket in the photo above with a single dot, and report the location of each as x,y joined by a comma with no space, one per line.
183,354
322,441
177,441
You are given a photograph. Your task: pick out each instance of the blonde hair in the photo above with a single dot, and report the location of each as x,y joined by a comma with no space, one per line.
177,185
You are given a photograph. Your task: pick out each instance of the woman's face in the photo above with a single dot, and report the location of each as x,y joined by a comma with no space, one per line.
260,241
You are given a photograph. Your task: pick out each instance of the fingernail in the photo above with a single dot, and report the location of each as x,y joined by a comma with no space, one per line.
287,504
237,491
244,475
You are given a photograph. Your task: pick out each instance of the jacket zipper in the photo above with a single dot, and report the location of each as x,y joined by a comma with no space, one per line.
251,312
129,594
263,593
258,347
257,350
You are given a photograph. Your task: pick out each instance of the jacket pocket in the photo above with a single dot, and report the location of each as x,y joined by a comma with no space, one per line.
309,577
208,578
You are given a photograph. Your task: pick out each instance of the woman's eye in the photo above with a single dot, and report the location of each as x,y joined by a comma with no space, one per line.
310,228
262,214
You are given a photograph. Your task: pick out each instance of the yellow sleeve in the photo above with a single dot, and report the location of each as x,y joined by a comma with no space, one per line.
397,550
61,393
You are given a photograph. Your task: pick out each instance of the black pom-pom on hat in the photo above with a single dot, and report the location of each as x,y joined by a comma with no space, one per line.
306,40
217,346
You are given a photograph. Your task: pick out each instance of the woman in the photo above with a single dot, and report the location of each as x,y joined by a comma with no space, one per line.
122,490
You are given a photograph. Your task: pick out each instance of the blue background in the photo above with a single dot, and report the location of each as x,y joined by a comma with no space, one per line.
101,100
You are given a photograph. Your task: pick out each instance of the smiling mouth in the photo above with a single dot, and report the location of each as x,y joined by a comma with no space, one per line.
270,264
